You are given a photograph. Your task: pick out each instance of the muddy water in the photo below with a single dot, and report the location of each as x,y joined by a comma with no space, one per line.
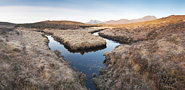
88,61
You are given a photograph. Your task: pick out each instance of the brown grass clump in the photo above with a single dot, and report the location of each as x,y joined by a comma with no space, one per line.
78,39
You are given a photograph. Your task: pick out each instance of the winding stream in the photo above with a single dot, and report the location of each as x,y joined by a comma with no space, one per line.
87,62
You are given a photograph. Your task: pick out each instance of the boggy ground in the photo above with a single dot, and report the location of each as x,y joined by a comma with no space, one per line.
78,39
27,63
157,63
75,35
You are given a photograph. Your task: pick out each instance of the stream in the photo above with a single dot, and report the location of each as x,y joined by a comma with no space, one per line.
87,62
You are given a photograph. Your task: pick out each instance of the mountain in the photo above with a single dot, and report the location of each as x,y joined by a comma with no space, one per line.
94,22
125,21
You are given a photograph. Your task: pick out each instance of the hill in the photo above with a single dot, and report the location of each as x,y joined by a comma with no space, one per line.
125,21
56,25
6,25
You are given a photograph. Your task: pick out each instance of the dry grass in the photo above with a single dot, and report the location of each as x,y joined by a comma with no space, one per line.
136,66
26,63
156,62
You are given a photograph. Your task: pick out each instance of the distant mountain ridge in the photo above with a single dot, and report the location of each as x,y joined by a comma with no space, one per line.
125,21
63,22
6,23
94,22
60,24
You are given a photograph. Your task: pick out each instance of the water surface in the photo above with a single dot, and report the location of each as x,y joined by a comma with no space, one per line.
88,61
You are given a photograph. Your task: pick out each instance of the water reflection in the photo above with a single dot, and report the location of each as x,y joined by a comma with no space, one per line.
85,50
87,61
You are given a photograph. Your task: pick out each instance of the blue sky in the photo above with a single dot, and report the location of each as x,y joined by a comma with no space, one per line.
26,11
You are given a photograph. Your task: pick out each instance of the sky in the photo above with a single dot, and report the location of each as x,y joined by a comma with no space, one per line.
29,11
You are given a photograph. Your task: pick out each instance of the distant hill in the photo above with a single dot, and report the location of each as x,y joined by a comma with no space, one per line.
5,23
125,21
64,22
94,22
56,25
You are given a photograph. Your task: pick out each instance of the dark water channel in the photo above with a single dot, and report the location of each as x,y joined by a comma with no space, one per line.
88,61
